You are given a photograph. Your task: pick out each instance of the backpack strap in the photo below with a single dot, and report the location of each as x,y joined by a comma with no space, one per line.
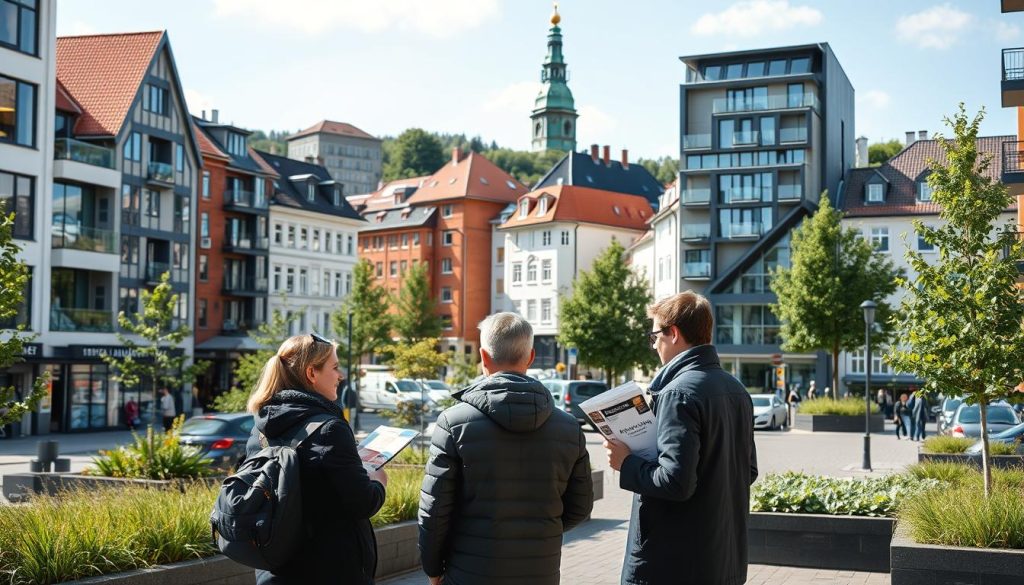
304,431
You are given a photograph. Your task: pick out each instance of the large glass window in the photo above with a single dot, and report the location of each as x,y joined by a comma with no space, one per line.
726,128
745,188
777,67
17,193
800,65
755,69
744,222
746,325
795,93
89,387
17,111
712,72
767,131
154,99
757,278
19,25
133,147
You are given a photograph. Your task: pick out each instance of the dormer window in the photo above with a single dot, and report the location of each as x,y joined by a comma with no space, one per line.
924,192
524,208
542,208
310,191
337,195
875,193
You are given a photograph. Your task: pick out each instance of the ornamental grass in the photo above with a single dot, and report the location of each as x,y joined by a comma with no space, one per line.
841,407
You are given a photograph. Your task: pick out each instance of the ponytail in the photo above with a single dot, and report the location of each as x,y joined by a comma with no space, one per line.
287,369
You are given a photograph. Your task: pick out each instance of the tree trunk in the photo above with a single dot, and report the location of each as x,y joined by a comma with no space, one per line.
835,370
986,468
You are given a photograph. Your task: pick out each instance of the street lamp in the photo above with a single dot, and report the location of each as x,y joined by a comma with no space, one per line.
869,320
352,387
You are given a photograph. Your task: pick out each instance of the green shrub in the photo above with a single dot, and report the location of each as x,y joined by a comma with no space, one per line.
998,448
841,407
412,455
963,475
963,516
99,531
799,493
153,457
406,414
233,400
946,444
403,496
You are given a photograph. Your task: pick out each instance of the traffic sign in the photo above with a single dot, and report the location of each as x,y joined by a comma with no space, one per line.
573,354
776,359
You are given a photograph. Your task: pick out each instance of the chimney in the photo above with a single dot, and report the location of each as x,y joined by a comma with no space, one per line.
910,138
593,153
625,159
456,155
203,116
215,114
862,152
607,155
922,135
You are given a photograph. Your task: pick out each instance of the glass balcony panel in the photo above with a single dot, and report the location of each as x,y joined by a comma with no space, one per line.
77,237
696,141
696,196
742,229
793,135
160,171
791,192
748,138
772,102
696,269
696,231
83,152
83,320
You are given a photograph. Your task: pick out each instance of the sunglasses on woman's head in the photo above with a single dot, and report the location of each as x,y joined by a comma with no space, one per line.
319,339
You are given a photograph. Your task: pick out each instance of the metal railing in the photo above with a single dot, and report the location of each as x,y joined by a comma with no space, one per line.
771,102
696,270
696,196
246,242
1013,152
161,171
84,320
244,283
245,199
696,141
156,270
746,194
696,231
1013,64
72,236
83,152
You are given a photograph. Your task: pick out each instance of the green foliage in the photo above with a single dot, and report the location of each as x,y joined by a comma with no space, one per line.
234,400
276,142
962,475
464,369
840,406
412,455
371,324
155,358
966,516
527,167
417,360
414,153
606,316
268,337
665,169
960,323
880,152
153,457
799,493
417,317
85,533
14,277
403,498
406,414
946,444
833,270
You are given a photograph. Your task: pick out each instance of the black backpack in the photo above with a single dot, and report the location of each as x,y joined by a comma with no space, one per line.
257,518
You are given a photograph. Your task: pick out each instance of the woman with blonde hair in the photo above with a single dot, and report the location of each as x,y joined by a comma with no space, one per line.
338,495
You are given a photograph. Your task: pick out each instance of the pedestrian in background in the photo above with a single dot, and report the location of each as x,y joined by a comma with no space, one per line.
131,414
812,392
167,409
919,416
793,402
901,416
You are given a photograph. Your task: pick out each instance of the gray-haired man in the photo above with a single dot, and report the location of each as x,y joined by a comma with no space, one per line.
508,473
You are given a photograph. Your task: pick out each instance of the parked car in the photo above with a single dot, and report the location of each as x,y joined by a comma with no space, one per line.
1010,435
221,437
568,394
946,411
436,389
769,412
967,419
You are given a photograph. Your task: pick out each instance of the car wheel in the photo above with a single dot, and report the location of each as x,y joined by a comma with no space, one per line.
771,425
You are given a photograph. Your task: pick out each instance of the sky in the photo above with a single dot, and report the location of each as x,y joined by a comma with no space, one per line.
473,66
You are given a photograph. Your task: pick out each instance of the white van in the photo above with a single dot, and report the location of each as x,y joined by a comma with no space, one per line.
379,389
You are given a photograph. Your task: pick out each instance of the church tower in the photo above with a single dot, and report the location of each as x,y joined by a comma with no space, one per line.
554,115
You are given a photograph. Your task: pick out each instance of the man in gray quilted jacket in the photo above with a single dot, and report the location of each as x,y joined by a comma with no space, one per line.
508,473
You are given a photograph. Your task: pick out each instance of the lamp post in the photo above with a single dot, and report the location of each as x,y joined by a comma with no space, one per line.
352,384
869,319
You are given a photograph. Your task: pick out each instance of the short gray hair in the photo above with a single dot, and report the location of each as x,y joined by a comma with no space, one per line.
506,337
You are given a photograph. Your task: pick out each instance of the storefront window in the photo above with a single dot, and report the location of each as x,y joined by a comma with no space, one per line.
95,401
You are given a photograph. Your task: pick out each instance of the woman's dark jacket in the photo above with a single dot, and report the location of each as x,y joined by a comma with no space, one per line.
338,498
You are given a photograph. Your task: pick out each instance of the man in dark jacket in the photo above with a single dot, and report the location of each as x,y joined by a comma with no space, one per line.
689,520
508,473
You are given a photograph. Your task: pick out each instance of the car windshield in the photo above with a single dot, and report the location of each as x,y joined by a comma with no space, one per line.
436,385
407,386
1010,433
951,404
203,426
761,400
588,390
997,414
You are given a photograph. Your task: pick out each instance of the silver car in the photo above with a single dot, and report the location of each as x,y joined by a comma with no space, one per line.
967,420
769,412
1010,435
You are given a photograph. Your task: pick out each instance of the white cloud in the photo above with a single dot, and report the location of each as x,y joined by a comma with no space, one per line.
938,27
750,18
1006,32
874,99
436,18
199,102
78,28
594,126
511,98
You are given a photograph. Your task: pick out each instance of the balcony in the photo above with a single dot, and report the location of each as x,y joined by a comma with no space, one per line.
696,141
751,229
71,236
245,244
244,285
238,326
791,192
696,197
696,231
746,195
1013,78
1013,167
792,135
244,201
747,138
83,152
81,320
697,270
156,270
772,102
160,172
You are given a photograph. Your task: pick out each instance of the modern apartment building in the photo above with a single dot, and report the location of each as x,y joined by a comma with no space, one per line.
313,232
763,133
1012,87
350,155
232,251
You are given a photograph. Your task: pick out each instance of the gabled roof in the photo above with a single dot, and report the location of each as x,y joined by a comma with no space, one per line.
384,198
103,74
207,146
567,203
407,217
581,170
902,172
205,130
288,194
65,102
331,127
470,176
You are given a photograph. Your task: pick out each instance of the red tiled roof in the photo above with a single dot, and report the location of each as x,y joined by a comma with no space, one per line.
206,146
902,173
331,127
472,177
384,198
103,73
570,203
65,102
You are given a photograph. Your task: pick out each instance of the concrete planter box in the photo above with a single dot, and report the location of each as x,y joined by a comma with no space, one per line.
833,423
850,543
19,485
929,564
998,461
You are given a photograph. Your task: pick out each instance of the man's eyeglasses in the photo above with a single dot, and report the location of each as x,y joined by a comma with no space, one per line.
653,335
319,339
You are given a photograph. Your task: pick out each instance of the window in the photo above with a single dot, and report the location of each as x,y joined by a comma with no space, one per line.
206,184
777,67
236,144
348,282
446,321
133,147
204,269
17,107
380,269
542,206
310,191
746,324
289,280
303,238
878,366
276,280
18,195
545,310
403,267
350,244
744,222
501,255
924,192
393,269
799,65
19,25
545,270
880,238
734,71
524,208
446,294
795,93
152,208
316,240
565,238
201,318
767,131
179,158
447,237
517,273
712,72
875,193
446,211
155,99
278,234
531,310
204,225
545,238
303,281
726,130
416,240
531,272
923,246
446,265
405,241
755,69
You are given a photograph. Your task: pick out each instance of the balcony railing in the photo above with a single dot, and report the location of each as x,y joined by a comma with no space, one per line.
696,231
156,270
1013,64
83,152
1013,154
696,196
246,242
696,141
746,194
245,199
696,270
743,229
793,135
747,138
789,192
238,326
83,320
772,102
244,284
72,236
161,171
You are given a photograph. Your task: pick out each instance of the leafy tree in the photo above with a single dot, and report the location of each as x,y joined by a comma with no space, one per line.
419,359
14,277
275,142
605,318
961,318
371,323
414,153
665,169
833,270
464,368
268,336
155,359
417,316
880,152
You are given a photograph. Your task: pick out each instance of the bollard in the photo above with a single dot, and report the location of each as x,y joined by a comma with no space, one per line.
35,466
62,465
46,452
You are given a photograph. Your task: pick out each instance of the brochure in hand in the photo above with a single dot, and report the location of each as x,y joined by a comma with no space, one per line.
383,444
623,413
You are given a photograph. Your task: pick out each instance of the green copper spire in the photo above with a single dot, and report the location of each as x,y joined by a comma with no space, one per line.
554,111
